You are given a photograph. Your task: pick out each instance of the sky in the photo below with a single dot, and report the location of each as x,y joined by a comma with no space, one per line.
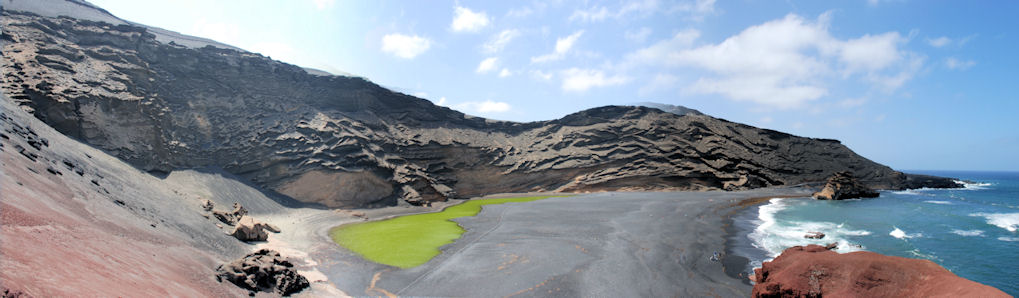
916,85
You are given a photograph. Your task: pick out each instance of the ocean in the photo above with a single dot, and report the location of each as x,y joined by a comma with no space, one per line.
970,231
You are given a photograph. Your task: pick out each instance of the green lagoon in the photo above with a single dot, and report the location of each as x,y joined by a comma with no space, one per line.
411,240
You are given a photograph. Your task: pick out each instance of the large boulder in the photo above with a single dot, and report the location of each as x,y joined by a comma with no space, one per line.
816,271
842,186
248,229
231,217
263,270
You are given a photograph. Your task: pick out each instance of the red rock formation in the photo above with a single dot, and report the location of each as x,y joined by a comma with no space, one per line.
814,271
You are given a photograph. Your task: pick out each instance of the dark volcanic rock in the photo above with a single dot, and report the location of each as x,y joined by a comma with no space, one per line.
814,235
8,293
263,270
815,271
344,141
231,217
248,229
915,181
843,186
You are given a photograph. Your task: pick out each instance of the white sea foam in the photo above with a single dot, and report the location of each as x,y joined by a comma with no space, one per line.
774,235
939,202
905,192
1009,239
973,185
968,233
898,233
1008,221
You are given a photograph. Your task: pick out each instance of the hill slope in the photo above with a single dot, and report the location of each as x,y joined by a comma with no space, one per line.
162,103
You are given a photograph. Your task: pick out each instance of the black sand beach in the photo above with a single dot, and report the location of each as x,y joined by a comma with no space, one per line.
602,244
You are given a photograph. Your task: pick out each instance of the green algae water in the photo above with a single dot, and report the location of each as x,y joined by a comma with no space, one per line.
411,240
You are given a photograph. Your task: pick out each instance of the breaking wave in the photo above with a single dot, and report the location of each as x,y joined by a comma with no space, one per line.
774,236
1007,221
898,233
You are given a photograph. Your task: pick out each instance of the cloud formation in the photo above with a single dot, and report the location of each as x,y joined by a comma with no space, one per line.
500,40
956,64
405,46
696,9
465,20
939,42
784,63
562,46
487,65
580,80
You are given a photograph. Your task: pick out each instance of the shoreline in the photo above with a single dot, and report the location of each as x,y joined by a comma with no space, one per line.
736,265
645,240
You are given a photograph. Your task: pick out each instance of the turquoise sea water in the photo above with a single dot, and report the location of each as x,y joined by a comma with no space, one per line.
971,231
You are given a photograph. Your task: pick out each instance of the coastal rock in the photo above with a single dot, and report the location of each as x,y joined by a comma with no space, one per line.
843,186
816,271
248,229
814,235
263,270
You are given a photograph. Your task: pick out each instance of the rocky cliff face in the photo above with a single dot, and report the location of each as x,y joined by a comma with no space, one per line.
843,186
814,271
164,103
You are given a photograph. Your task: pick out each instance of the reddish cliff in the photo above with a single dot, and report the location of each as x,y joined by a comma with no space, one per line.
813,271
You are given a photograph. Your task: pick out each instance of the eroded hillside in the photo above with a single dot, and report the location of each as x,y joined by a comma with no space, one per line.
345,141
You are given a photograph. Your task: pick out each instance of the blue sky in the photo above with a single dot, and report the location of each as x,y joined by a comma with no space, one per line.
911,84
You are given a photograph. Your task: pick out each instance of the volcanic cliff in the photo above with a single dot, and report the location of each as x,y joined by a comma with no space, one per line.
163,101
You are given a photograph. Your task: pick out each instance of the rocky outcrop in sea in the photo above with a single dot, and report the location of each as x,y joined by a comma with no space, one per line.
843,186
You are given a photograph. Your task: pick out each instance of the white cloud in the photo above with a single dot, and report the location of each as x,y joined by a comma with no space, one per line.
487,65
465,20
405,46
870,53
783,63
562,46
505,73
939,42
520,12
483,107
441,102
627,11
664,50
697,9
544,76
499,41
579,80
956,64
594,14
944,41
637,36
324,4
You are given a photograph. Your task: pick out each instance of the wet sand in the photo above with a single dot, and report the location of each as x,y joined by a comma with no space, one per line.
601,244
